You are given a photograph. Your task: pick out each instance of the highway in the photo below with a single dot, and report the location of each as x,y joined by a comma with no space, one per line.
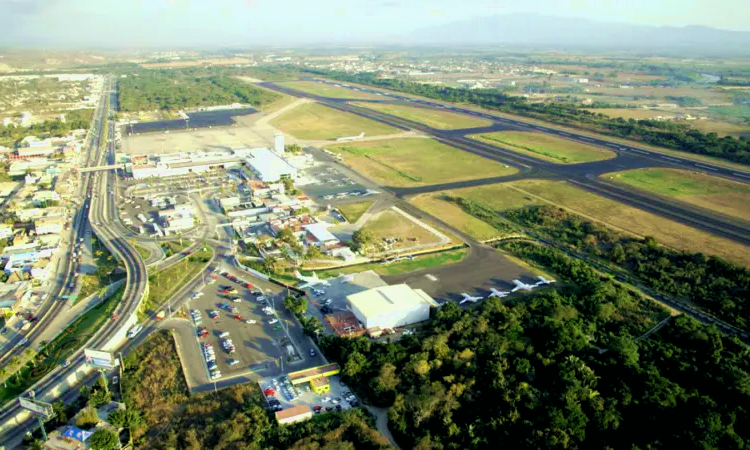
65,280
585,175
98,205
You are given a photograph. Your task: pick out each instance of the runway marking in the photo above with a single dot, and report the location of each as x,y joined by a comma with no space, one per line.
431,277
586,139
640,151
671,159
705,167
611,145
741,175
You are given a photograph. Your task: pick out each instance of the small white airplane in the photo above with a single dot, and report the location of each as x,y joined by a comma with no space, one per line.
469,298
499,294
543,280
344,278
351,138
523,286
309,281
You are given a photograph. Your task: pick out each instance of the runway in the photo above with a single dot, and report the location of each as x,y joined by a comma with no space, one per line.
584,175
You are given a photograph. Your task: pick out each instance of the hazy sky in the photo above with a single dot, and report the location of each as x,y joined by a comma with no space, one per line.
130,23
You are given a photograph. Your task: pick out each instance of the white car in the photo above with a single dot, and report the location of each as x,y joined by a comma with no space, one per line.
273,321
233,362
250,321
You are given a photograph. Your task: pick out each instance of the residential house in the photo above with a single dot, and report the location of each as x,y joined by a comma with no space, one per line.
49,225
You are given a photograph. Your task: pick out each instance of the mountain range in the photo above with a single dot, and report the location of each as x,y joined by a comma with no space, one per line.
538,30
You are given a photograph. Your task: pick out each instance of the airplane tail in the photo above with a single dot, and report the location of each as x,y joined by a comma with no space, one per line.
362,134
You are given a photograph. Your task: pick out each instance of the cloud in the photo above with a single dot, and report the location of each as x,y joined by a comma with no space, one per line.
390,4
22,7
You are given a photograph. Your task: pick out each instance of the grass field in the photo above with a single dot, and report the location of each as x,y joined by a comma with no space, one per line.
390,224
314,121
65,344
143,252
706,191
164,284
396,268
547,147
633,220
417,162
721,128
434,118
326,90
455,216
353,211
630,113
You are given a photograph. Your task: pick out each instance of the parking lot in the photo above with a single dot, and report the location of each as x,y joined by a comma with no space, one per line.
134,209
281,394
264,336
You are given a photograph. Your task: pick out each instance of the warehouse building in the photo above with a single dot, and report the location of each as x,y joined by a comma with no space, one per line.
295,414
389,307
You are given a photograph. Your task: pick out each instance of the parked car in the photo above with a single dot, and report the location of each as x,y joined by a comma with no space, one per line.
312,352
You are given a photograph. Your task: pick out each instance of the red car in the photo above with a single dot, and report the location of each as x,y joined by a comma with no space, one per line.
238,318
249,286
202,332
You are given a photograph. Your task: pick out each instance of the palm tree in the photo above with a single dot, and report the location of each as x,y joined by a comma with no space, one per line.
29,353
126,418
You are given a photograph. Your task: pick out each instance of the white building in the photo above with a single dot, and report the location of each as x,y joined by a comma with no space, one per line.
6,231
268,166
180,223
278,144
49,225
319,235
391,306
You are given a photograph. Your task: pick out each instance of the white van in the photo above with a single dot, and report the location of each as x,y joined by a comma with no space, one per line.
134,331
224,335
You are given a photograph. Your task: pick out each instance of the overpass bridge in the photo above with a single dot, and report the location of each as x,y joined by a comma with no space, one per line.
99,168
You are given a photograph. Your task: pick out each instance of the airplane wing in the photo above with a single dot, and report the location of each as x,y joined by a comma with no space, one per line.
515,289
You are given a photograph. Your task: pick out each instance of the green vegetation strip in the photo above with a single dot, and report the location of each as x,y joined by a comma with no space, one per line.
353,211
65,344
554,149
677,183
144,253
105,263
162,285
403,266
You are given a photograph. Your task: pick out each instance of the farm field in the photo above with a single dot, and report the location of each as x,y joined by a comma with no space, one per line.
416,162
314,121
713,193
546,147
326,90
433,118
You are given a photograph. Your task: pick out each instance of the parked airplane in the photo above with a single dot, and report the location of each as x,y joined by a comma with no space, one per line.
310,281
543,280
496,293
344,278
523,286
351,138
469,298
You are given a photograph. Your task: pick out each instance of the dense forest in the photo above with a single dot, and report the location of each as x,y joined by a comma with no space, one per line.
716,285
233,418
79,119
557,368
660,133
173,90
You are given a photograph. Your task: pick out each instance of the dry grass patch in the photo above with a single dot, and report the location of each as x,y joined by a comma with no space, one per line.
455,216
314,121
433,118
417,162
630,113
632,220
713,193
546,147
392,225
327,90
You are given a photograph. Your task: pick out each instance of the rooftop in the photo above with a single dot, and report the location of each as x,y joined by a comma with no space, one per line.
292,412
387,298
320,370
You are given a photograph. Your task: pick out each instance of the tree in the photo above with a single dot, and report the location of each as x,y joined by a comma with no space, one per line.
104,439
313,252
4,376
362,238
100,397
297,305
126,418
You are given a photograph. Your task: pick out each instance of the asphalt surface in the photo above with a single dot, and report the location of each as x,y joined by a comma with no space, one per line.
584,175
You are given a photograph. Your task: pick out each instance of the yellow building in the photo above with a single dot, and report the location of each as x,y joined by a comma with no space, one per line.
316,376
